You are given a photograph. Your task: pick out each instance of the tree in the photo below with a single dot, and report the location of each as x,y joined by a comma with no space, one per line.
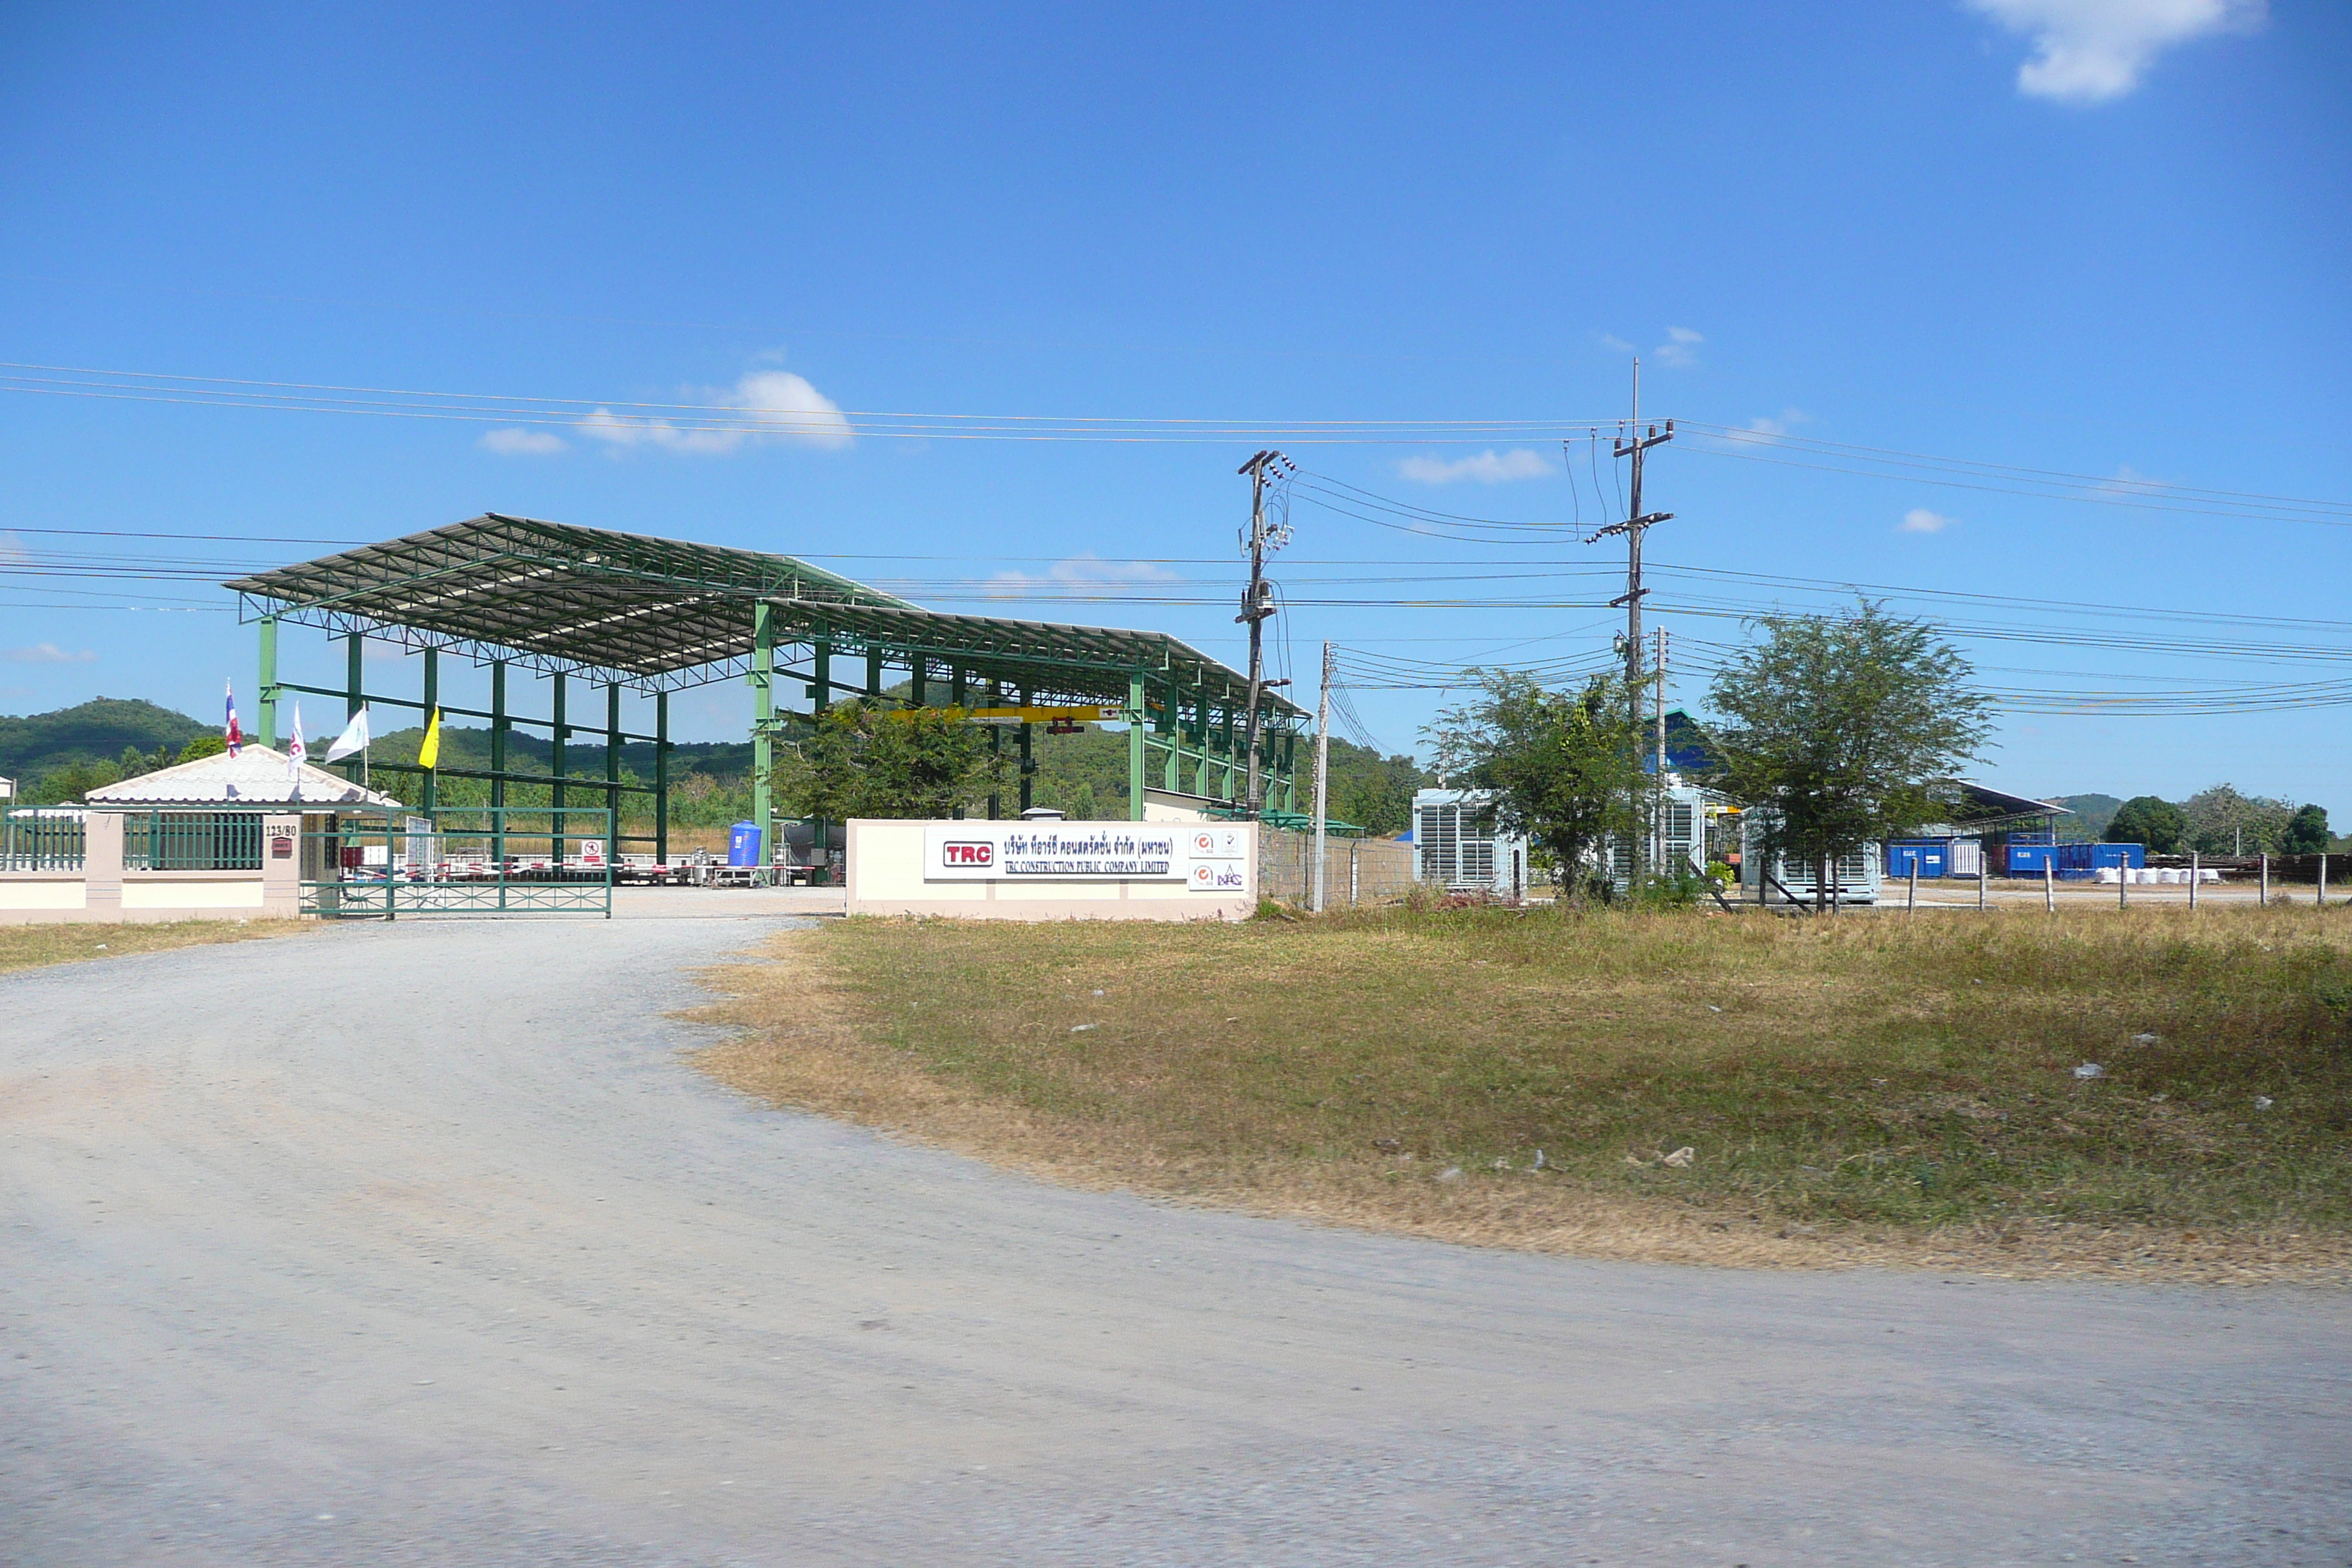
2145,819
865,759
2306,831
2223,822
1564,766
203,746
1839,730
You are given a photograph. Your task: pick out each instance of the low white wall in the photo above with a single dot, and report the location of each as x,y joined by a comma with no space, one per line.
191,891
890,873
46,892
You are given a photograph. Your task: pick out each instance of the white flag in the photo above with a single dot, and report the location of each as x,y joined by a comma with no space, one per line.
295,751
354,738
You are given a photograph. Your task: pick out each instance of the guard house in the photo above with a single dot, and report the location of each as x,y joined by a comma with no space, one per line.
605,620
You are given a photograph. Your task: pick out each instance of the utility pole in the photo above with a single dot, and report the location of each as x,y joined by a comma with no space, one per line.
1257,601
1323,767
1635,446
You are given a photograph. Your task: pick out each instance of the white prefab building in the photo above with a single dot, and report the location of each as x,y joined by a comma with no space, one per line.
1681,843
1457,846
1854,879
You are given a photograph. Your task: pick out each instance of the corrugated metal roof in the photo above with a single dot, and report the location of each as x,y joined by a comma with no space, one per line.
661,613
255,777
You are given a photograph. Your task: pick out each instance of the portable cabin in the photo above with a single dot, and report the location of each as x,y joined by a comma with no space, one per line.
1457,847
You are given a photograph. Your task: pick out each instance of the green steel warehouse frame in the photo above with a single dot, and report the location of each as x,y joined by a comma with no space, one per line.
627,611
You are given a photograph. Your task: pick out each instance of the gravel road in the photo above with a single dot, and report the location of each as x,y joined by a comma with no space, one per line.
419,1245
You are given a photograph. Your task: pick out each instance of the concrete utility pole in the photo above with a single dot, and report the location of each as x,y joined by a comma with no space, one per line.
1636,522
1323,767
1257,602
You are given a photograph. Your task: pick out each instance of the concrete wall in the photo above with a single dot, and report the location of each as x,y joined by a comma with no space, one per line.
887,876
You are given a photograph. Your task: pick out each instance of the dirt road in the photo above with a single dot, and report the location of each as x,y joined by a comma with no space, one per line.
418,1246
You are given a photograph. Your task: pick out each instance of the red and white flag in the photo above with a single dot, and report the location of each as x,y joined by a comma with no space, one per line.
234,736
296,751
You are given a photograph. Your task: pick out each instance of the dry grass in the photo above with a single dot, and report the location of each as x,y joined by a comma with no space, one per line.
32,946
1870,1089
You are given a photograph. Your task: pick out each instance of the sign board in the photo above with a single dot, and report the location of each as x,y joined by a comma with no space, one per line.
591,852
1087,713
1065,851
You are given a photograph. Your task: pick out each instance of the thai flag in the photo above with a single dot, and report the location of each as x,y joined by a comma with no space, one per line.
235,735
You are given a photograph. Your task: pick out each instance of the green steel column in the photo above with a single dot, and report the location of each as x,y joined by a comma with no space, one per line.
873,674
1028,770
429,792
661,777
1200,742
499,771
1289,771
1223,786
959,688
354,696
763,716
269,695
995,756
820,830
1135,721
612,770
557,765
917,697
1171,725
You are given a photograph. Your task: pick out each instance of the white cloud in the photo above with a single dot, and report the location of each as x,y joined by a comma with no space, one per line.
1617,345
1489,468
1083,573
2088,51
1919,520
766,406
1679,350
47,653
514,441
1765,429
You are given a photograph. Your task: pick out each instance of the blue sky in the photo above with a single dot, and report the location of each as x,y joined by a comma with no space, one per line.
2099,237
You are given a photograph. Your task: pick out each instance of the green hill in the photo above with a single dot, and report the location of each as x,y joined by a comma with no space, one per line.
99,730
2091,814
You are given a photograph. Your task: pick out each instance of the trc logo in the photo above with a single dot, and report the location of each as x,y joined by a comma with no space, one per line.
968,854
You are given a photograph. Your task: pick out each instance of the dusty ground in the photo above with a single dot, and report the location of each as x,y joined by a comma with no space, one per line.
443,1255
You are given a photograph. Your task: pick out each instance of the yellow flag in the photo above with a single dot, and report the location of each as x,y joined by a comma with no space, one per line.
428,756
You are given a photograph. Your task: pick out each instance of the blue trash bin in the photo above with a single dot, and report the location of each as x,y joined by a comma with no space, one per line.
743,844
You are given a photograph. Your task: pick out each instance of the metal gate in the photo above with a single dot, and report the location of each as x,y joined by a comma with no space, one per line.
462,860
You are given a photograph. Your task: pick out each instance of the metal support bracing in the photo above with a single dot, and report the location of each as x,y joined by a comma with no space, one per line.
1135,723
661,777
763,718
557,766
428,798
268,694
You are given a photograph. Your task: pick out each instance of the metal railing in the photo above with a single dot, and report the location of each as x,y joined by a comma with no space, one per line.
41,838
478,860
191,841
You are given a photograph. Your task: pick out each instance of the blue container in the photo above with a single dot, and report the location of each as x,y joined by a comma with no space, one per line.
743,844
2033,859
2083,861
1930,857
